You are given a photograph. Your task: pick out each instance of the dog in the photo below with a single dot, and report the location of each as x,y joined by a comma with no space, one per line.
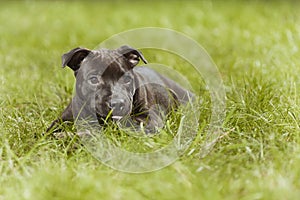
110,86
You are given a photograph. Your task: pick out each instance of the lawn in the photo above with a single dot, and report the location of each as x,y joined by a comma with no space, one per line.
255,45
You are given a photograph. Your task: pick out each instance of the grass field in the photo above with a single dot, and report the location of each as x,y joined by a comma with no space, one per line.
256,48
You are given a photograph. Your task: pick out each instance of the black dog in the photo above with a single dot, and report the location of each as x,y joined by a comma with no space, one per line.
109,85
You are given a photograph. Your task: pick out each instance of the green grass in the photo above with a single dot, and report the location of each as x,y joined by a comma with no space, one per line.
256,48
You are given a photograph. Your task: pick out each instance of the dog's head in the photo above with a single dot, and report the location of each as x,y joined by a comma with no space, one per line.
106,76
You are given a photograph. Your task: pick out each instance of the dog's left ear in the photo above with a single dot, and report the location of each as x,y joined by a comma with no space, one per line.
132,55
74,57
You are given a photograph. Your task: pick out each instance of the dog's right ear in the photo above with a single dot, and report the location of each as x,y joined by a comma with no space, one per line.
74,57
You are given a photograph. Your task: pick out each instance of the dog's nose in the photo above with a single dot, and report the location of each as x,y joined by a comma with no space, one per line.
117,104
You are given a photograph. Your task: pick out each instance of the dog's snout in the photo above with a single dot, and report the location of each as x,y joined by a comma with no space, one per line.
117,104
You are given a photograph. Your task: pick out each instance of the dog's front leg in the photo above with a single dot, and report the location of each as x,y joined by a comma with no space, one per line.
150,121
67,115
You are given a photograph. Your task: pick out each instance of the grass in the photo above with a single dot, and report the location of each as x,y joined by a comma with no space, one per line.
256,48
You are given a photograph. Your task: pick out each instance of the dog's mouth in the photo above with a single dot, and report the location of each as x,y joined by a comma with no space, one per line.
117,118
103,119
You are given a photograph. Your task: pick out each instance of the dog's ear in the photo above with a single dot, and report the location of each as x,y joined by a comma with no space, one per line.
132,55
74,57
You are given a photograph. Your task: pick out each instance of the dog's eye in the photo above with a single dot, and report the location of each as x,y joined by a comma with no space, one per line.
93,80
127,79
